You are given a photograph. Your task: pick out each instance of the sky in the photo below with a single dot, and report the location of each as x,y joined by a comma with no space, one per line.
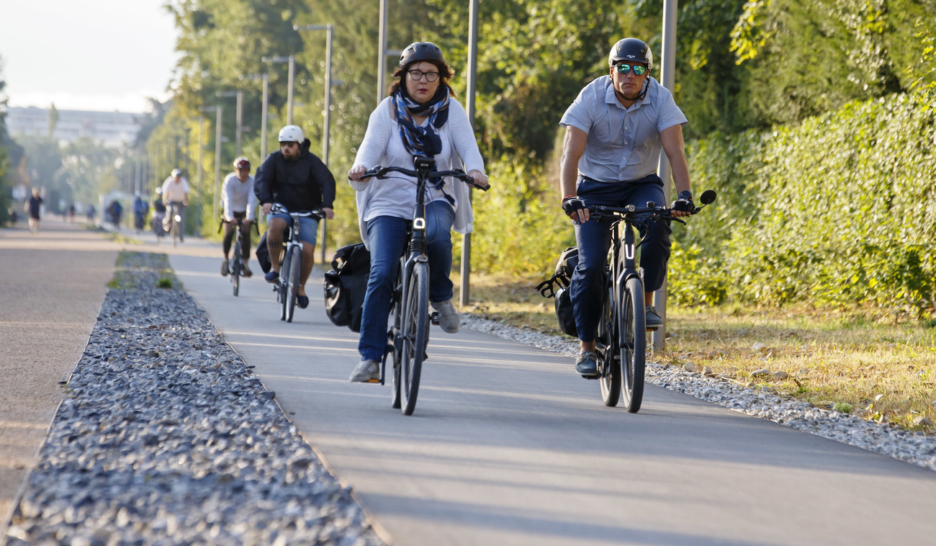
86,54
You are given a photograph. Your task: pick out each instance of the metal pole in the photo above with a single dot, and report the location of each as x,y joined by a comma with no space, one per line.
217,179
465,291
668,76
382,52
263,121
240,119
201,196
289,98
325,137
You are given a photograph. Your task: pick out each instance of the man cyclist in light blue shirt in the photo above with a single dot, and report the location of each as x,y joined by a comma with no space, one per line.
615,131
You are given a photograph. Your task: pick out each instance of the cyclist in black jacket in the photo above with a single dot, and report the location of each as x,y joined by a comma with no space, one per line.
297,179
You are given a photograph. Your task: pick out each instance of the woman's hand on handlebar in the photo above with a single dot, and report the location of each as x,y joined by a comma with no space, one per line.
479,179
357,172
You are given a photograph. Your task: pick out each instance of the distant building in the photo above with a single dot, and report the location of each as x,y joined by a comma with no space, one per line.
111,128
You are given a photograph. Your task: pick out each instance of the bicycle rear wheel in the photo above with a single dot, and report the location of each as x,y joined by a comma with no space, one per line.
415,335
633,342
292,286
396,345
610,361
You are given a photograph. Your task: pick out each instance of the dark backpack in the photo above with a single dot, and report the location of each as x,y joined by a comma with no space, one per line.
263,254
346,286
558,287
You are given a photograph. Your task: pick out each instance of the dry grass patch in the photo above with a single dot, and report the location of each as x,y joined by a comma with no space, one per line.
876,370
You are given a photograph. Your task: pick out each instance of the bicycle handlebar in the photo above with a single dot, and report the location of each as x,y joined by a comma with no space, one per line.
280,209
661,212
381,172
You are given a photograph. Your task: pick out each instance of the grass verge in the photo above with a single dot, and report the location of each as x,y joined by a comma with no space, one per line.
879,371
127,259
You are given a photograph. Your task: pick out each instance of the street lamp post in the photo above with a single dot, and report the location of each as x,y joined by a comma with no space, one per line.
263,111
668,75
382,51
328,83
292,72
465,294
239,115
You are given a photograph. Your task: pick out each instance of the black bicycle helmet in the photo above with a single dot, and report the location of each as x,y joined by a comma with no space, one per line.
633,50
420,51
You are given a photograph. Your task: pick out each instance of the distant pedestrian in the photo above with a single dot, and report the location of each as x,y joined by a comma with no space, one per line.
71,213
92,213
35,208
115,211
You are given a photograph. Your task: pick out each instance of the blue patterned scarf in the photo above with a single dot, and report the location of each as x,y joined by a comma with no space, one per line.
421,141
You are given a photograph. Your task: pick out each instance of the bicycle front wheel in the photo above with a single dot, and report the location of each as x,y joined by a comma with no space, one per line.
610,358
292,286
633,342
236,271
281,286
415,335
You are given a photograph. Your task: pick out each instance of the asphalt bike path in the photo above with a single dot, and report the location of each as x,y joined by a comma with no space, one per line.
52,285
509,446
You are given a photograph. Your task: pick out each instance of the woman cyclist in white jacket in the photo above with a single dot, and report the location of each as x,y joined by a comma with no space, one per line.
420,118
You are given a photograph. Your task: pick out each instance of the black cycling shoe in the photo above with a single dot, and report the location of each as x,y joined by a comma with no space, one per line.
653,319
302,301
587,364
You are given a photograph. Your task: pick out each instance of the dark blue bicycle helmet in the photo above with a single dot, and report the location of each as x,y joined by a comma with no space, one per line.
421,51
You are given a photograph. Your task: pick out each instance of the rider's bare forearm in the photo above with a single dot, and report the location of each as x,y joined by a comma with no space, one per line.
573,146
673,145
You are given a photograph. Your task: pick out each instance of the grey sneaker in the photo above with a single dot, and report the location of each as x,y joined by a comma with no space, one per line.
448,316
654,320
366,371
224,268
587,364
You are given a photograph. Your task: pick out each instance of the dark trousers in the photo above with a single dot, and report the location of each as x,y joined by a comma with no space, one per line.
229,232
387,237
594,241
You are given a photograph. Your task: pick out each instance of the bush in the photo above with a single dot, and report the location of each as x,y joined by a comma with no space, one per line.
841,209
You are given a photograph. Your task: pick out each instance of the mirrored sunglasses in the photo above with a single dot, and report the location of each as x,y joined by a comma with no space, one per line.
624,68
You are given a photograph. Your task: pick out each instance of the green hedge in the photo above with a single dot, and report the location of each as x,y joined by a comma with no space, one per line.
838,210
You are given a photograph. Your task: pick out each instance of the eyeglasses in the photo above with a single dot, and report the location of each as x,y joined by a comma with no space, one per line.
417,75
624,68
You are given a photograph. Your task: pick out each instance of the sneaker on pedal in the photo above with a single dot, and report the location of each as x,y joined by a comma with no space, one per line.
225,268
246,272
448,316
271,277
587,364
653,319
365,372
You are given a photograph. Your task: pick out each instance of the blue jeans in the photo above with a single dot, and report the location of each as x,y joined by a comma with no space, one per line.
387,238
594,240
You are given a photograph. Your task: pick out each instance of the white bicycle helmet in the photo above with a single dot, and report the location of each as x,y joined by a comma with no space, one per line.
176,172
291,133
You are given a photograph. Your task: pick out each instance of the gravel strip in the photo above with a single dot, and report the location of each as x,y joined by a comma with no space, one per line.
911,447
167,437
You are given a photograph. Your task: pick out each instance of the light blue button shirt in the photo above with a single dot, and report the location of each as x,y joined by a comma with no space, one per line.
623,143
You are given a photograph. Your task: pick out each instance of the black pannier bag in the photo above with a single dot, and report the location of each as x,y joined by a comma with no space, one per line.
346,285
263,254
563,299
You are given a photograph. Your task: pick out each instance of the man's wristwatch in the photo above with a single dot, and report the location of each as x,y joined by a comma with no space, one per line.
687,195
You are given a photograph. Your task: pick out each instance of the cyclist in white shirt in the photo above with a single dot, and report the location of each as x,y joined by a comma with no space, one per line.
175,195
240,203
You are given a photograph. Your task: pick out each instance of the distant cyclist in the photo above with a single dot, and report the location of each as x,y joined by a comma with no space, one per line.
615,131
159,214
297,179
420,118
175,192
140,211
35,211
240,203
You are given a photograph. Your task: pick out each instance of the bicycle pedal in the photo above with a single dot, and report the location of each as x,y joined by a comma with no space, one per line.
653,328
592,377
434,318
373,381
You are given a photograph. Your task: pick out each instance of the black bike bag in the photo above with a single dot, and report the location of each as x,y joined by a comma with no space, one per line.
346,286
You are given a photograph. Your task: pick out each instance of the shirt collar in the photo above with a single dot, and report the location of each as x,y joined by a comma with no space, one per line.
611,97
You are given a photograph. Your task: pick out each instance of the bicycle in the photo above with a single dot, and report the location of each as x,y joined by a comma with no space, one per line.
236,268
287,286
175,222
622,341
409,335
